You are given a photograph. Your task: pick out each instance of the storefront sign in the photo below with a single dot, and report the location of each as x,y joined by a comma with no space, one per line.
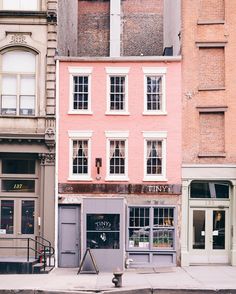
163,189
3,231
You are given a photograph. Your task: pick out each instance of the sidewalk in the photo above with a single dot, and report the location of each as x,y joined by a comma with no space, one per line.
194,279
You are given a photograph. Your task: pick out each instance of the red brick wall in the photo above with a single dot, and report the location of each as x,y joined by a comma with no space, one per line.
93,28
211,10
142,27
212,136
211,67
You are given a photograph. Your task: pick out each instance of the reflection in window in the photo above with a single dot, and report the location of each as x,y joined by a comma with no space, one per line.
154,92
80,92
209,190
117,93
7,216
27,217
218,229
103,231
199,229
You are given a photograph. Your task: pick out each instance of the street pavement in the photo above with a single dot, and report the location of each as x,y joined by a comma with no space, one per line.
194,279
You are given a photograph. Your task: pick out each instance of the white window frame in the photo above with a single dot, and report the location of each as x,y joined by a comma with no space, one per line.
116,135
76,72
119,72
18,76
79,135
20,9
155,71
160,136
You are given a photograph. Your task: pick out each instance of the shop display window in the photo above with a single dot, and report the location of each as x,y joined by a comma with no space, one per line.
151,228
103,231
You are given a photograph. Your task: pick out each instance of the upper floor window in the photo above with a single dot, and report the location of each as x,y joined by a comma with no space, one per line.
117,156
154,156
154,91
117,90
80,155
80,90
20,4
18,83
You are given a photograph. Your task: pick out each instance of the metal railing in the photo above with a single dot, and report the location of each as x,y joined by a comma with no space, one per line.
41,251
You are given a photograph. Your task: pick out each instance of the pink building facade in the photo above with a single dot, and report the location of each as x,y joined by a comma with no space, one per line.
119,160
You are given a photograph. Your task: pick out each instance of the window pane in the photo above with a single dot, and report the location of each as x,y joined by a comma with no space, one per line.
199,232
18,186
80,95
139,238
27,85
80,157
28,5
27,217
163,217
117,93
218,229
103,231
154,157
8,105
27,105
18,61
222,190
18,166
200,190
154,92
163,238
20,4
9,85
117,157
7,216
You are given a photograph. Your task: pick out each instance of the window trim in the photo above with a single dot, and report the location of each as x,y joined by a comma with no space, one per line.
116,135
160,136
79,135
76,72
18,76
155,71
119,72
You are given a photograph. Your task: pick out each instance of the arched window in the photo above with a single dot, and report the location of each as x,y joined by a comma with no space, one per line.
18,83
20,4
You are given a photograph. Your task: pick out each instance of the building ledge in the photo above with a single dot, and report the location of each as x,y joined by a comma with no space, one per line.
212,108
210,155
22,13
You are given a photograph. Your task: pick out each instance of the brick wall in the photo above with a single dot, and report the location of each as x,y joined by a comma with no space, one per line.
211,67
211,10
212,133
93,28
142,27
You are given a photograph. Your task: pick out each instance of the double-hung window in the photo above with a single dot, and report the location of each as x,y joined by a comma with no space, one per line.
117,155
25,5
154,156
18,70
80,155
154,91
80,90
117,90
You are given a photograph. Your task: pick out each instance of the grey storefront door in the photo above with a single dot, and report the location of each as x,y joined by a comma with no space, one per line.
69,236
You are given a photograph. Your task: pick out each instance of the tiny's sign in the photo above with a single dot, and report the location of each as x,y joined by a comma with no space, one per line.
102,225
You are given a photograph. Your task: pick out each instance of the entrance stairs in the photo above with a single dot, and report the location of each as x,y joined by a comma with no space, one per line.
39,257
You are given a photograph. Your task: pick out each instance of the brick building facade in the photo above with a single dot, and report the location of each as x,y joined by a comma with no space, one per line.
208,46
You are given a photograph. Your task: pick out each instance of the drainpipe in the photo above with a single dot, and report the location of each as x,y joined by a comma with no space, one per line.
115,28
56,164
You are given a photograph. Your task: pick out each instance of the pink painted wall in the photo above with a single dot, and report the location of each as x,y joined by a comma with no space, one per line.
135,123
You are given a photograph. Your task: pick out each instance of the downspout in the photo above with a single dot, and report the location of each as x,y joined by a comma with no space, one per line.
56,163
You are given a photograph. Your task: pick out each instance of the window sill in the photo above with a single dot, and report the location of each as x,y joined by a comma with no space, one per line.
116,179
116,113
220,154
155,113
211,22
73,112
211,89
81,179
155,179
